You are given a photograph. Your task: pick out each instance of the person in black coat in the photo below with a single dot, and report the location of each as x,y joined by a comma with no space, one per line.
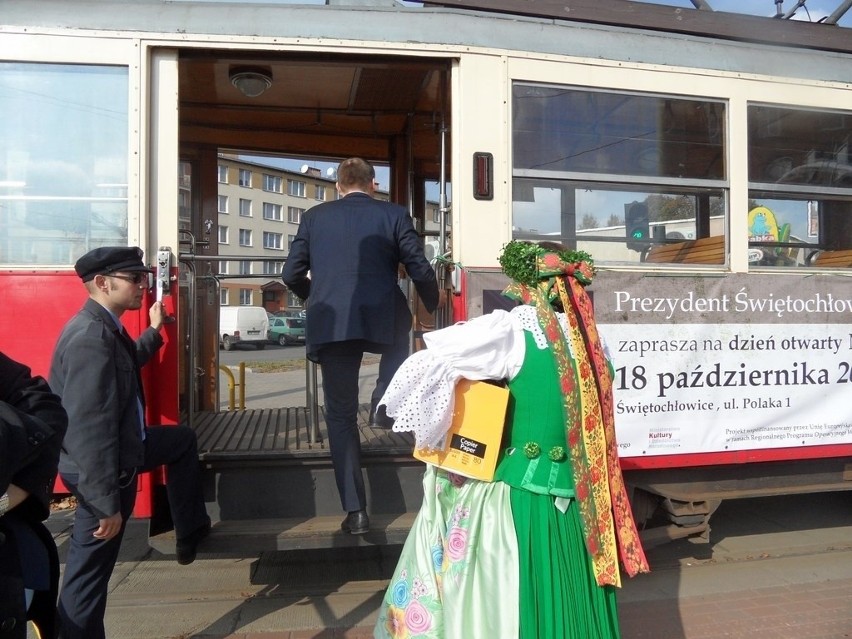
96,371
32,424
344,261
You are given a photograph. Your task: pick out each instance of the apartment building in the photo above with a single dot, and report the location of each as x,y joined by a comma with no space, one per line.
259,210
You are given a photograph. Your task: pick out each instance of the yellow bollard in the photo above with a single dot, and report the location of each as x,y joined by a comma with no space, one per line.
232,384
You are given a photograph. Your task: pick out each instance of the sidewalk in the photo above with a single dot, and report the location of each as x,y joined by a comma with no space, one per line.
287,389
766,576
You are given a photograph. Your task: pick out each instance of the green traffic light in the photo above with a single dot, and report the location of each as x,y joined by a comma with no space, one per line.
638,235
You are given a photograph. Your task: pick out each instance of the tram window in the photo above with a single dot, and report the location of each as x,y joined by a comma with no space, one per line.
585,161
800,185
64,167
558,128
594,217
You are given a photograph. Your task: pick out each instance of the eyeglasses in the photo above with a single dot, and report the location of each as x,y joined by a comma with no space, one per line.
137,278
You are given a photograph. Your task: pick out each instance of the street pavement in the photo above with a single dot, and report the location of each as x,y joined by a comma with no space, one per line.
776,568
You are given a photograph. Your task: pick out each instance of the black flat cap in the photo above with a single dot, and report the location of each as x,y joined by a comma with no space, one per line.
110,259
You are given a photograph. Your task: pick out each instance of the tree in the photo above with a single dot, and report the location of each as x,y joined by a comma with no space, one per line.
589,221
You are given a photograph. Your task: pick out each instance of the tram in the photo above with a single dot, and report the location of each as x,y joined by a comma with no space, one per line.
704,160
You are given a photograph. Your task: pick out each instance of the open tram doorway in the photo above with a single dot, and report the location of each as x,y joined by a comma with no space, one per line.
318,108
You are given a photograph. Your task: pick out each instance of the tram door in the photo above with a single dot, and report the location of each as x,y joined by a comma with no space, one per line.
392,111
199,286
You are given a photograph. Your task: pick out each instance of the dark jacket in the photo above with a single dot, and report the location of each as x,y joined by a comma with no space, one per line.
93,372
32,423
352,248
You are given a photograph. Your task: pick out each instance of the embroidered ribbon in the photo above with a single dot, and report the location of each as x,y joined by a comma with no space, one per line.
589,421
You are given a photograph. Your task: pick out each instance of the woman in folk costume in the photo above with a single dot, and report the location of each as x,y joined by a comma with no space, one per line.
533,554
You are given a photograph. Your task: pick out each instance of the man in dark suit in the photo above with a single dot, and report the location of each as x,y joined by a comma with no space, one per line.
344,262
32,423
96,371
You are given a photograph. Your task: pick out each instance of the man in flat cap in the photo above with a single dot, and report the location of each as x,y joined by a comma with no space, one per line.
96,371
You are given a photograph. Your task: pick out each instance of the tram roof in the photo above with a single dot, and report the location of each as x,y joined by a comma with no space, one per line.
670,19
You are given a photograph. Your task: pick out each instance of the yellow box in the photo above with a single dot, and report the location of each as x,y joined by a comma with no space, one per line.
472,443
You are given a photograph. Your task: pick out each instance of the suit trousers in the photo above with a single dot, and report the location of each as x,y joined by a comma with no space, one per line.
90,561
341,364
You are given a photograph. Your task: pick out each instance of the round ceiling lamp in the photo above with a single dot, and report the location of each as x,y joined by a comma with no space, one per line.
251,81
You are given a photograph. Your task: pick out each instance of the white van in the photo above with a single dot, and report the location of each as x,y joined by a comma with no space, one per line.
243,325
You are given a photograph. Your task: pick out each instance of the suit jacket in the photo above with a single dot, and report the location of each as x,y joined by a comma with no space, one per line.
352,248
32,423
94,373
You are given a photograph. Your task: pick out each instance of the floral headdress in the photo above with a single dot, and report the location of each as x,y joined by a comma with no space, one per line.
541,277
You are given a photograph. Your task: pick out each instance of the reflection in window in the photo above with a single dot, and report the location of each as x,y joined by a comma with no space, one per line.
63,165
617,174
800,179
581,131
601,218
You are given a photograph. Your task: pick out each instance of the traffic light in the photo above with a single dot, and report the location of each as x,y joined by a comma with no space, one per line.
636,226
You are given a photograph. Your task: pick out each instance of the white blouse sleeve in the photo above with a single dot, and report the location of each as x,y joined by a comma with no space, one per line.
421,395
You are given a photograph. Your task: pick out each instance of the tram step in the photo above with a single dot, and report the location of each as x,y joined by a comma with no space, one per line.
241,537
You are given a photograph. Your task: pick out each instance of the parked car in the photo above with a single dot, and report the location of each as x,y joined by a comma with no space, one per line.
286,330
243,325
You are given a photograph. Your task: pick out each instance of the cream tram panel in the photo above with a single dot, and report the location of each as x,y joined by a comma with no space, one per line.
480,124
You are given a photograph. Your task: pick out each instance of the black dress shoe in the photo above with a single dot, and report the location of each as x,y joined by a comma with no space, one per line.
381,420
356,523
187,547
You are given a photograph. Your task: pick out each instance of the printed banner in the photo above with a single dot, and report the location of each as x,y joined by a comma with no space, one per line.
728,363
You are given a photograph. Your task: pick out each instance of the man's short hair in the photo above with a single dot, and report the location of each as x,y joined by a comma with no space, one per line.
355,172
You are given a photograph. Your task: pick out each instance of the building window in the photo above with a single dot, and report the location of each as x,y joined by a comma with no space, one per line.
223,297
273,268
245,267
272,211
245,237
294,214
271,183
223,174
436,215
272,240
245,207
293,300
614,173
223,268
320,193
223,235
245,177
223,204
296,188
290,239
245,297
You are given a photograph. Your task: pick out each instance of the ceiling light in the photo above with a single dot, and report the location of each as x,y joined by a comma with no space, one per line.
251,81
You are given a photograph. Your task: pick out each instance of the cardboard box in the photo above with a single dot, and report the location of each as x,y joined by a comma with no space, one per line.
472,443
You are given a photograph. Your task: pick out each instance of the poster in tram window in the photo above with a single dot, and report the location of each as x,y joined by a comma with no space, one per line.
728,363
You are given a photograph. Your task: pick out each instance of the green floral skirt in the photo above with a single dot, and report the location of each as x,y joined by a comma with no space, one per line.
487,561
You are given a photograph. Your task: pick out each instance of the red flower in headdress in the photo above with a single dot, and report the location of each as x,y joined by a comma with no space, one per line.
550,261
